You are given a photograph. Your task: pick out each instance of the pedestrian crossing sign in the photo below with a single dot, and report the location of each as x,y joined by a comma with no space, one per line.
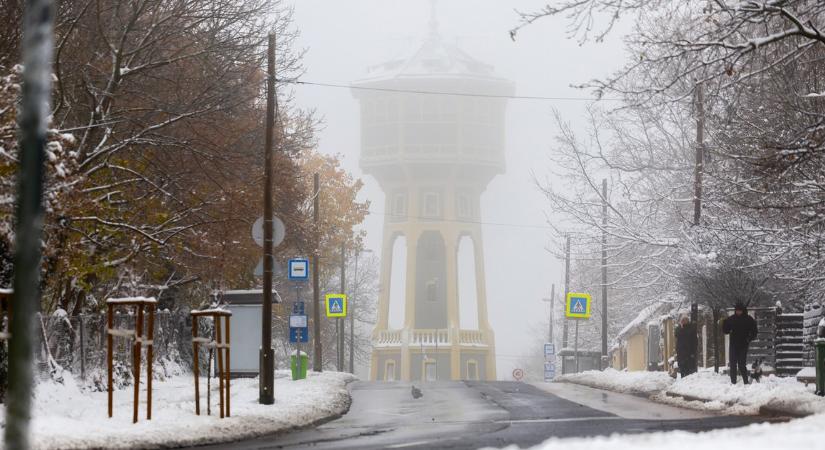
578,305
336,305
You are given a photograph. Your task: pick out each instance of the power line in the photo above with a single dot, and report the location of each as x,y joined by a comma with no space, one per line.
475,222
457,94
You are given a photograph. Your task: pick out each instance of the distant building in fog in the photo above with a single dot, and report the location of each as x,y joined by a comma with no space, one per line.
433,156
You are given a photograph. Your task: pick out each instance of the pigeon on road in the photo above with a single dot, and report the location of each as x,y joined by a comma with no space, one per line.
416,393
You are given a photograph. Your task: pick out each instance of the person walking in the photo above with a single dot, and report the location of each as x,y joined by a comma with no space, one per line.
742,330
686,344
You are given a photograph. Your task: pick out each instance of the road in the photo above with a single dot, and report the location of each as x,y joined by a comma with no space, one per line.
470,415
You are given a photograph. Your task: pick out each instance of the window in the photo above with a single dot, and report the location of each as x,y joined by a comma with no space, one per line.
472,369
463,207
430,370
432,287
432,204
389,370
399,205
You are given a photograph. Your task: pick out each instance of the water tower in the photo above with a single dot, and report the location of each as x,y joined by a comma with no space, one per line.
433,155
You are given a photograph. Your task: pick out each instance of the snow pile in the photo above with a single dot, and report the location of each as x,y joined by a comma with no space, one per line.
647,383
709,391
784,395
67,417
800,433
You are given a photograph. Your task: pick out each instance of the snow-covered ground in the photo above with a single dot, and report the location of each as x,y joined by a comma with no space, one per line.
807,433
66,417
780,394
647,383
709,391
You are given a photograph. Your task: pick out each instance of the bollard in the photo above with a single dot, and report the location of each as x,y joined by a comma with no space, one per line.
820,358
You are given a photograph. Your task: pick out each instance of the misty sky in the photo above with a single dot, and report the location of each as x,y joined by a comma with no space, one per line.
343,38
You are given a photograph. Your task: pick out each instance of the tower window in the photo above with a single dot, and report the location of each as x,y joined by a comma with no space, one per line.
432,204
432,286
399,205
464,208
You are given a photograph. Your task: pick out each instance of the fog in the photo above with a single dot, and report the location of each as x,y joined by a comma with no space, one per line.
344,38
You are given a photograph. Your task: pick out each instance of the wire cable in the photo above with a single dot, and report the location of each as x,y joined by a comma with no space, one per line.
457,94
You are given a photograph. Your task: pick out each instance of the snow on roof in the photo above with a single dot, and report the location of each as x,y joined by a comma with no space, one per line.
644,317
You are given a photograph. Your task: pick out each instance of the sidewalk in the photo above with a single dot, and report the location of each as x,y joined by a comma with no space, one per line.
66,417
709,391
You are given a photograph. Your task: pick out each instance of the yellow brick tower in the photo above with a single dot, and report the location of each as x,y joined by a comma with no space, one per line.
433,156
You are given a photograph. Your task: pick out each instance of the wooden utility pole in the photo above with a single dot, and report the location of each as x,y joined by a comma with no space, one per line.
604,271
552,312
317,361
566,287
700,143
697,172
267,357
341,324
38,16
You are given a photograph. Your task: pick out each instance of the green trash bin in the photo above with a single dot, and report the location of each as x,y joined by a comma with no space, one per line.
299,373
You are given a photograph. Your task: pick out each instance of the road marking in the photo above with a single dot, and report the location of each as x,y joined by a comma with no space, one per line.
409,444
566,419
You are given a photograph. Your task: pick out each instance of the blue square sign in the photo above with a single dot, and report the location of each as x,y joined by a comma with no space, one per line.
298,269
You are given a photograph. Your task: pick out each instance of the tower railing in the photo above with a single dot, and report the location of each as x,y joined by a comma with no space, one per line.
429,337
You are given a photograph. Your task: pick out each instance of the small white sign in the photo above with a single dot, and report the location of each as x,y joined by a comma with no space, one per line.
298,321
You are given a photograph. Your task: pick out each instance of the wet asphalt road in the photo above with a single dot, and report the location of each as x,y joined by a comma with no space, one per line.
470,415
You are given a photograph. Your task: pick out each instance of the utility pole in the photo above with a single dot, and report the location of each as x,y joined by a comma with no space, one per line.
38,16
267,357
351,312
552,309
604,271
317,361
552,301
351,307
697,185
566,287
340,325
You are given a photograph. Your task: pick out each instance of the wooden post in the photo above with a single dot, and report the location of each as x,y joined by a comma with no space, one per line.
228,367
150,336
218,340
109,342
195,368
136,356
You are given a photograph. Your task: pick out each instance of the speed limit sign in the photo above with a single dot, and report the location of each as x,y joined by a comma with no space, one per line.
518,374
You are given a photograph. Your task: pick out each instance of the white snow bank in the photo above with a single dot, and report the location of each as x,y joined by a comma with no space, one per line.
807,433
709,391
648,383
67,418
782,394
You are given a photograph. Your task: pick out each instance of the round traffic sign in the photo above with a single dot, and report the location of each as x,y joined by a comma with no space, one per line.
518,374
278,231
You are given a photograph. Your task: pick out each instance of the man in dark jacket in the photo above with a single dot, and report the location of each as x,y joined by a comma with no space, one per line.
686,344
742,330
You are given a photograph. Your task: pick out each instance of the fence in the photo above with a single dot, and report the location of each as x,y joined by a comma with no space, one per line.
78,344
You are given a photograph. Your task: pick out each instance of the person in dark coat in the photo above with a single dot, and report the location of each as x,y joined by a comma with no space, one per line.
686,345
742,330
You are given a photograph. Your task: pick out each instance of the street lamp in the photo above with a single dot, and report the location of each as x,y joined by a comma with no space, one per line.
352,313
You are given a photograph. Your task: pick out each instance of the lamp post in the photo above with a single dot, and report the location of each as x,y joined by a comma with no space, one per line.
355,287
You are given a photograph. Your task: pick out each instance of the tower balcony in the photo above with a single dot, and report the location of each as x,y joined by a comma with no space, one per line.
444,337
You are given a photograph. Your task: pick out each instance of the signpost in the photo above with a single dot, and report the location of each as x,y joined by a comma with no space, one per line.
549,362
577,306
298,272
336,305
518,374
